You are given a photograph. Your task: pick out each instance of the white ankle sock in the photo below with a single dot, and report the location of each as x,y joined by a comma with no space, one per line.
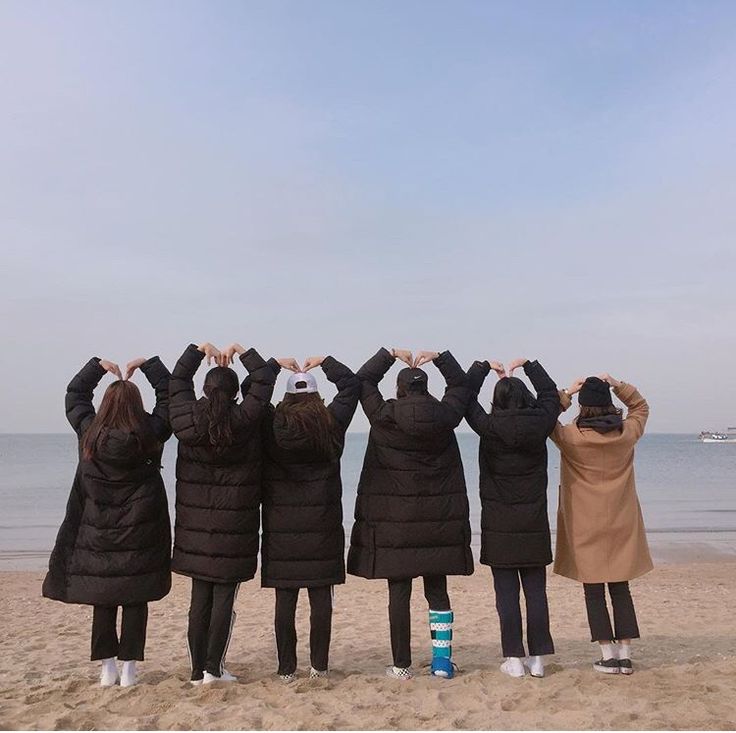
608,651
624,650
128,675
109,672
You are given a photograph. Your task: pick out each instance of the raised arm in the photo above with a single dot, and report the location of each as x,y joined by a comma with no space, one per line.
637,407
79,408
565,397
261,380
181,384
345,402
548,397
370,374
457,393
158,377
478,419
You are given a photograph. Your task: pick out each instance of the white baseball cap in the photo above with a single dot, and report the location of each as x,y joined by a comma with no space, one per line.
301,383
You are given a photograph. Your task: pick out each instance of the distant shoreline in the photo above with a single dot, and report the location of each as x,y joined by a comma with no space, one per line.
668,548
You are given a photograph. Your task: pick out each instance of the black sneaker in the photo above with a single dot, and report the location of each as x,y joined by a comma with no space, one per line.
626,666
607,666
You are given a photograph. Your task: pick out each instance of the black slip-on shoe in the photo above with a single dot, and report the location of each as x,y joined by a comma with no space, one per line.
607,666
626,666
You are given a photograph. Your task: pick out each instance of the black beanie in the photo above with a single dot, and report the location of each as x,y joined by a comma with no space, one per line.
595,393
413,380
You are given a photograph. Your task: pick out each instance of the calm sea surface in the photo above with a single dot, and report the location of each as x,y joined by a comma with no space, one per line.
687,488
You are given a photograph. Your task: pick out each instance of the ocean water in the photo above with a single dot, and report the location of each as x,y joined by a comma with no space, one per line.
687,488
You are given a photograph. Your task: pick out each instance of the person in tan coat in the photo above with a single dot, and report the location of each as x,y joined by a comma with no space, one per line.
600,530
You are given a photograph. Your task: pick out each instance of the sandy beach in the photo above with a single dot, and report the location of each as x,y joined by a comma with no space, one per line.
686,664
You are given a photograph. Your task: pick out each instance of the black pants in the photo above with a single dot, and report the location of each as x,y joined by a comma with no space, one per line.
624,615
132,642
506,585
320,627
211,620
399,612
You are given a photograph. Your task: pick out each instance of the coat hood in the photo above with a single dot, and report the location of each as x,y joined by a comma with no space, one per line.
291,439
122,448
521,428
421,415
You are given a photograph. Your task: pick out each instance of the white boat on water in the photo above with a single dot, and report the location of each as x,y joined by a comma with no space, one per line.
706,436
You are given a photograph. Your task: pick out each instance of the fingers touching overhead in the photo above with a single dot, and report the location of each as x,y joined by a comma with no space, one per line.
290,363
424,357
111,367
403,355
313,361
131,366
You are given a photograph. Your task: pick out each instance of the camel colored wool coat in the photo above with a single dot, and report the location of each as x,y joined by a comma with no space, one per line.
600,529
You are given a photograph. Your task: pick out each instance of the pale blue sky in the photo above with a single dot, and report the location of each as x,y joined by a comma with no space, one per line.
544,179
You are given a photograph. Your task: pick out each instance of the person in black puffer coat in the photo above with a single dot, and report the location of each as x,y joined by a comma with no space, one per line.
412,514
515,539
303,542
114,545
218,494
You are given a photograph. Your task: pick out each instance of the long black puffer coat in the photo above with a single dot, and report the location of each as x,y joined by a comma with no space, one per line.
218,496
411,514
114,545
513,472
303,538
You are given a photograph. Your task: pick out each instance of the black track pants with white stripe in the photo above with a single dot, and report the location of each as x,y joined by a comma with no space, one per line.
211,620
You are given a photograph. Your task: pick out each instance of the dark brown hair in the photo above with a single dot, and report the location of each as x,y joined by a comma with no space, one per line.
306,414
220,388
587,411
121,409
511,393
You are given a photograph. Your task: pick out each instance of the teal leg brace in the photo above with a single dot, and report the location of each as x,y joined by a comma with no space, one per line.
440,627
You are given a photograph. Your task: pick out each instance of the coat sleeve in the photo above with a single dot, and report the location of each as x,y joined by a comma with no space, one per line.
457,393
370,374
548,398
638,409
259,391
158,377
181,391
478,419
345,402
557,433
246,383
79,408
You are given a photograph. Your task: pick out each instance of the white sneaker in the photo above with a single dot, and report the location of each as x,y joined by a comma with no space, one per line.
513,667
109,674
535,666
128,676
224,677
399,673
287,679
316,673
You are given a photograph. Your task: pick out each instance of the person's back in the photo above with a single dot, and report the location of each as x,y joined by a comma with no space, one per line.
598,503
113,548
515,535
303,543
218,493
601,537
412,513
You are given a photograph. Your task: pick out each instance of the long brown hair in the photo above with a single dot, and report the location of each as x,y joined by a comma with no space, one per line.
220,388
306,415
587,411
122,409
